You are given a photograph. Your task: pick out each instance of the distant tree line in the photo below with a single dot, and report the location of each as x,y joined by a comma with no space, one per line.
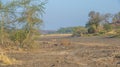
76,31
65,30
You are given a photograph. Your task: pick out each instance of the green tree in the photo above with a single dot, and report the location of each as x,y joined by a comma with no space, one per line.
92,29
22,15
95,20
30,16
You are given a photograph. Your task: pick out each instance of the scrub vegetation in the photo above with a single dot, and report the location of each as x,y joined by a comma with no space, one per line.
23,44
20,20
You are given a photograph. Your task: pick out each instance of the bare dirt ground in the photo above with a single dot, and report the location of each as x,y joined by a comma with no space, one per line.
65,51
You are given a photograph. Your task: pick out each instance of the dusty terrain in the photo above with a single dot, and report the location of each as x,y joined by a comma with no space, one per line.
65,51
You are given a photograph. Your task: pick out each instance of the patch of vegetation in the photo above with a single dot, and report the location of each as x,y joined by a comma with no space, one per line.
65,30
117,33
107,27
79,31
5,60
18,37
65,42
99,24
19,26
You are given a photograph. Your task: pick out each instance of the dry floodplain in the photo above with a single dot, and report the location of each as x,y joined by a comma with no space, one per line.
66,51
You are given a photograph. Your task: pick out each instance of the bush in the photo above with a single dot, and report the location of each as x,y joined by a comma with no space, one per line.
107,27
92,29
78,34
102,32
118,32
79,31
18,37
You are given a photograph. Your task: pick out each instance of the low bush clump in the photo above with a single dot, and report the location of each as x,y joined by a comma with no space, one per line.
5,60
65,42
118,33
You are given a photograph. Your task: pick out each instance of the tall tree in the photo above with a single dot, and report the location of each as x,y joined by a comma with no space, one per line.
30,16
95,19
26,14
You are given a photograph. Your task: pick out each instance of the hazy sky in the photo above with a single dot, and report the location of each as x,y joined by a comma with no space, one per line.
64,13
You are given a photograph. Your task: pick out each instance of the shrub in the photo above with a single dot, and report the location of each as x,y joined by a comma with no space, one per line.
107,27
91,29
79,31
18,37
102,32
118,32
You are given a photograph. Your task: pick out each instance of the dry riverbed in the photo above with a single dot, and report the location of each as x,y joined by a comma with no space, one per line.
65,51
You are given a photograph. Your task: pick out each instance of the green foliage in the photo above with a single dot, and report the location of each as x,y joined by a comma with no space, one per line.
75,31
102,32
18,37
118,33
31,17
92,29
79,31
19,20
65,30
107,27
95,21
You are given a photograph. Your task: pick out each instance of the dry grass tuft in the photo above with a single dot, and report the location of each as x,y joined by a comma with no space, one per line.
65,42
5,60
